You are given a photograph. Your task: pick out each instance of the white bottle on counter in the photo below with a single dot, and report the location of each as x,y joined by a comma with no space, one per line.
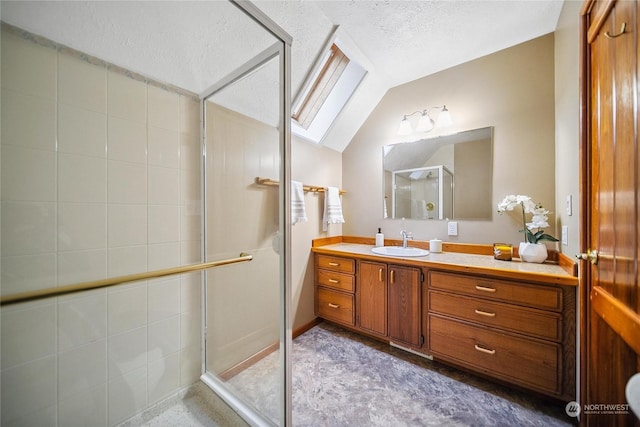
379,238
435,246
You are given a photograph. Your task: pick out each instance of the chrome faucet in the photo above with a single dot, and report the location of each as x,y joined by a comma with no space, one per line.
406,235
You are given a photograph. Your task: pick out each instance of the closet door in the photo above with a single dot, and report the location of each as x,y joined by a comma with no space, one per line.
611,303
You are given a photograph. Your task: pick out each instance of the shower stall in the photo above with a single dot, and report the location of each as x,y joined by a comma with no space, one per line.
138,257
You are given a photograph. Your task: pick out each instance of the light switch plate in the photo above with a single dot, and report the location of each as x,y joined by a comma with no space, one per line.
565,235
569,205
452,228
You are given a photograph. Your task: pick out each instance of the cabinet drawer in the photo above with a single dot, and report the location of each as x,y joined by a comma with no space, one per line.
336,306
545,297
343,265
331,279
527,362
541,324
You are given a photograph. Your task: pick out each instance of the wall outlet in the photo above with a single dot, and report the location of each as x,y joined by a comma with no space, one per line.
452,228
569,205
565,235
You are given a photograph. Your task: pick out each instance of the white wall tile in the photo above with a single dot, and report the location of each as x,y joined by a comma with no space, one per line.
127,309
81,226
127,225
28,121
82,84
190,152
87,408
46,417
127,140
164,185
28,228
28,334
164,255
164,337
164,223
127,182
126,260
82,319
190,329
81,178
163,108
81,266
164,377
190,224
81,131
32,385
82,369
127,395
127,352
164,147
190,251
190,292
189,115
28,67
28,273
190,365
28,174
164,298
127,98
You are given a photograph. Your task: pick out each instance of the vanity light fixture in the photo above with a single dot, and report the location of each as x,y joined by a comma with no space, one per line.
425,122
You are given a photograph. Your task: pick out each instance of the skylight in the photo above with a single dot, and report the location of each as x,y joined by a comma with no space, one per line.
333,80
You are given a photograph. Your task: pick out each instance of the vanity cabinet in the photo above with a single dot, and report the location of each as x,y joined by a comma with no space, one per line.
335,289
371,300
513,326
404,305
512,331
388,301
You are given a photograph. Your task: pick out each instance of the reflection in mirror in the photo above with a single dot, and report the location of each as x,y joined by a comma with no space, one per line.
444,177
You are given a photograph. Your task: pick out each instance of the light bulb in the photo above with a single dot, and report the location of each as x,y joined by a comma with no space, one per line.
405,127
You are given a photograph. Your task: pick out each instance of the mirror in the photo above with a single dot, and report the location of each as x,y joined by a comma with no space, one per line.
448,176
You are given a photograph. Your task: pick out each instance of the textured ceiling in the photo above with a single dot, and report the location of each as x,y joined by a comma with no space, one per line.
193,44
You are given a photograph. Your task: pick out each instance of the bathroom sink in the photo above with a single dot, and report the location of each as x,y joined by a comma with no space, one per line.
399,251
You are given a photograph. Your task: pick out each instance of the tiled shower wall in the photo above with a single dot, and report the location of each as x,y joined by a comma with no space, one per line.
100,177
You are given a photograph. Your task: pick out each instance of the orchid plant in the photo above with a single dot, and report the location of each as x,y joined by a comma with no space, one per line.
539,219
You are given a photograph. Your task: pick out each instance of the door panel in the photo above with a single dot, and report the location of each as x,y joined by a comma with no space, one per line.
610,164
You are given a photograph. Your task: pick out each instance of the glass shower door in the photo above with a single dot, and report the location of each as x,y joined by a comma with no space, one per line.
247,333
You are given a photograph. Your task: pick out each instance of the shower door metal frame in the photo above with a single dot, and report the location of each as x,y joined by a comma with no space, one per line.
282,50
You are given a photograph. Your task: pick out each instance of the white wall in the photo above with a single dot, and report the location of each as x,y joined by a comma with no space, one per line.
100,177
567,100
511,90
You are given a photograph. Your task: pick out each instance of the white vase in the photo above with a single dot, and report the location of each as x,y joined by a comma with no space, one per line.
532,252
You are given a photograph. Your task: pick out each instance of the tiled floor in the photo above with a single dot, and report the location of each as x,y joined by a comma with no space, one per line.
343,379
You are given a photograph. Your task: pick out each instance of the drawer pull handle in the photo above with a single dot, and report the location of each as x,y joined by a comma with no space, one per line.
380,275
334,281
393,276
485,289
334,305
334,264
485,313
485,350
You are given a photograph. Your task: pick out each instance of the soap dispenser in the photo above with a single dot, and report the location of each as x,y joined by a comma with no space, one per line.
379,238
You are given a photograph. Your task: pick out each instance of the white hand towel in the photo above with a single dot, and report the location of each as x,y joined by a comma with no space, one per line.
298,212
332,207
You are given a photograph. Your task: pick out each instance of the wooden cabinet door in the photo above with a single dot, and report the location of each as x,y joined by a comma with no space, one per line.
404,304
371,293
611,202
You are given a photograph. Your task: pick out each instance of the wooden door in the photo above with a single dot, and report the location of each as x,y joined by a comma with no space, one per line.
371,294
404,304
610,323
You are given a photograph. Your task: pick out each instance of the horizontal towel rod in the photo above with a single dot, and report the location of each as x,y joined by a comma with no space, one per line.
112,281
305,187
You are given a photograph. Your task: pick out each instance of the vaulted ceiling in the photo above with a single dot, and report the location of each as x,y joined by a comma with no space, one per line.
193,44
